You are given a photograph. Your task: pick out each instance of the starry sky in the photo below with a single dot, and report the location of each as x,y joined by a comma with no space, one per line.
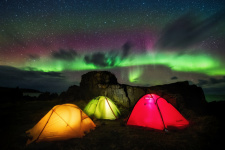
48,44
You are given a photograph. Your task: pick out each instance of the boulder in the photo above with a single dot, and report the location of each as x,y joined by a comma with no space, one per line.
98,79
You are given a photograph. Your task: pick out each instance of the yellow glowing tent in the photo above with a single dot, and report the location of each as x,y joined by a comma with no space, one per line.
60,123
102,108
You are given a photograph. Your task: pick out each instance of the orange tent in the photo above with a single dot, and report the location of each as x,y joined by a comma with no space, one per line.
62,122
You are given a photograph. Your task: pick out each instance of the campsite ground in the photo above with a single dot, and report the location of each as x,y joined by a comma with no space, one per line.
204,132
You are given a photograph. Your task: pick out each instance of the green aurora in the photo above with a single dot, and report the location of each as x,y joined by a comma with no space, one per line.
198,63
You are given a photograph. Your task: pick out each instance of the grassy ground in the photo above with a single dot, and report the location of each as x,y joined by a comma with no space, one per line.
204,132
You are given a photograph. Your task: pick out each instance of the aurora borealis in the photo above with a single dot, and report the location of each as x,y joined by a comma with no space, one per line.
46,44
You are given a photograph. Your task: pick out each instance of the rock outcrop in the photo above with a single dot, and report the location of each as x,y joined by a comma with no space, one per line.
181,95
97,78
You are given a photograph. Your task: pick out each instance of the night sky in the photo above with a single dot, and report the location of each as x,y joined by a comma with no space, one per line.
47,45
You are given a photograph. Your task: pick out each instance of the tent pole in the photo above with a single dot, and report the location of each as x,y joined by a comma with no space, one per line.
110,107
160,112
45,125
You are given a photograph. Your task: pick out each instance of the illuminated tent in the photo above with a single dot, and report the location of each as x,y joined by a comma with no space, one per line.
153,111
62,122
102,108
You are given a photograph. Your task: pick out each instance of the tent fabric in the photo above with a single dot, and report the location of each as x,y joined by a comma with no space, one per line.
62,122
153,111
102,108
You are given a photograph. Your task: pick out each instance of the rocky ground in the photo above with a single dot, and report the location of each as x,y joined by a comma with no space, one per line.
205,131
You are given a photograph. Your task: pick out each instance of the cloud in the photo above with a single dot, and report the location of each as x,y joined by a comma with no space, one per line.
174,78
211,81
63,54
202,82
109,59
187,31
126,49
100,59
43,81
216,81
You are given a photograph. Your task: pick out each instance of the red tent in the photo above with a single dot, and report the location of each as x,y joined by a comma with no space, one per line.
155,112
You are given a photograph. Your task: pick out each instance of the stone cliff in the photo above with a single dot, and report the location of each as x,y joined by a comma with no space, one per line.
181,95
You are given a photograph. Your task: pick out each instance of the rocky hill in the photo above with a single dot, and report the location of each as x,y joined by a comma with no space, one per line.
96,83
